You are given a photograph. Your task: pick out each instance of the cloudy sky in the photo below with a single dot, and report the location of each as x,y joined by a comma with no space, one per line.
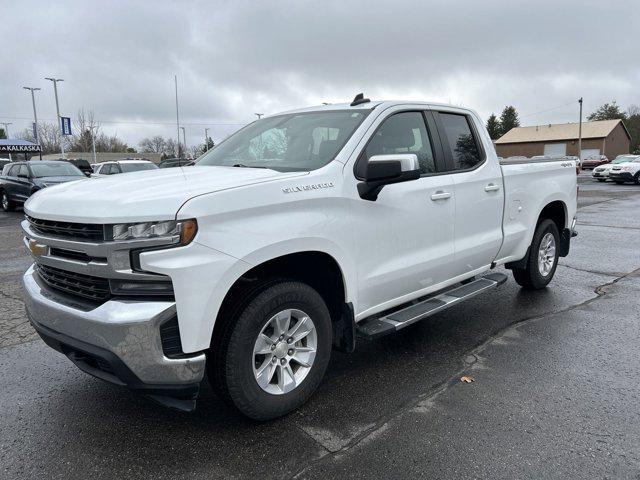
236,58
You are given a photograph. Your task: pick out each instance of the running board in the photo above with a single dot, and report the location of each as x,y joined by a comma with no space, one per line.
378,327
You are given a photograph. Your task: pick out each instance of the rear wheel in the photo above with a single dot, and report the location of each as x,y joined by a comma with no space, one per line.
274,352
7,205
542,261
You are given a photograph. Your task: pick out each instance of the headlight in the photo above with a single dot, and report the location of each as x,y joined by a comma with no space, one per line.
629,168
185,229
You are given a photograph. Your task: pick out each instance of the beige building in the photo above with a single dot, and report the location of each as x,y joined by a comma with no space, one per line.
606,137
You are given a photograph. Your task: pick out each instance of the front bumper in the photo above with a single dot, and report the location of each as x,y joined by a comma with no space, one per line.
118,341
600,174
621,176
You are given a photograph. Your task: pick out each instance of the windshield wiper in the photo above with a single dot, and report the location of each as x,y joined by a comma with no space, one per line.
242,165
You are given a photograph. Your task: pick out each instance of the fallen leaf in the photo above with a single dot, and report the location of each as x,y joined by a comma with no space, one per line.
467,379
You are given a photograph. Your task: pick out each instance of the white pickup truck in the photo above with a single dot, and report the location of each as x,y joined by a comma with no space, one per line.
297,234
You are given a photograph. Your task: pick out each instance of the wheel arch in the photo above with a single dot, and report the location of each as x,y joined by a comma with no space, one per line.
317,268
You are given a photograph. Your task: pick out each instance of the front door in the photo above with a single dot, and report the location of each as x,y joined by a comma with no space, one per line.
404,238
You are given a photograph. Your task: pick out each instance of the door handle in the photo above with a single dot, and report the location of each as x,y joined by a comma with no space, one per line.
440,195
491,188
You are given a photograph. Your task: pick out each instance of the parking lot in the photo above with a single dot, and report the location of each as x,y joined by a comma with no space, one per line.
557,382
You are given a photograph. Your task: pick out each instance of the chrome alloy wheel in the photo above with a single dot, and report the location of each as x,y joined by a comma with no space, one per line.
546,254
5,201
284,351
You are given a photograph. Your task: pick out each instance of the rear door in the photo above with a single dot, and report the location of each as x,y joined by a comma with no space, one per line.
478,188
406,235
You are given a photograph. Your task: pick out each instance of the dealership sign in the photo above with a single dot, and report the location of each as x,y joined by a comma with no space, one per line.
65,125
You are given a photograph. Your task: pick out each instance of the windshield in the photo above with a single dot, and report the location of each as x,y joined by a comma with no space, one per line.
625,159
62,169
134,167
286,143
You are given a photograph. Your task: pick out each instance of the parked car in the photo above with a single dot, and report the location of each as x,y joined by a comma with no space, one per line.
121,166
20,180
3,162
594,161
252,265
626,171
176,162
601,173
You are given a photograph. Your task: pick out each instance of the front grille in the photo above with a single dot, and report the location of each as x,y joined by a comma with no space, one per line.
73,255
170,337
85,286
77,231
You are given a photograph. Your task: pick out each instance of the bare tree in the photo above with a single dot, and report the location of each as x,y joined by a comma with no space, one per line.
48,136
155,144
84,126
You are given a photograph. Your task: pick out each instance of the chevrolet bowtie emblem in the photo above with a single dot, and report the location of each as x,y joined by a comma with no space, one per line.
37,249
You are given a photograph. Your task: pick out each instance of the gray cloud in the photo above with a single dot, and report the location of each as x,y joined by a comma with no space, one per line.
237,58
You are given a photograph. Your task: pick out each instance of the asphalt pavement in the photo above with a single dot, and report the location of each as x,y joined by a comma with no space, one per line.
556,390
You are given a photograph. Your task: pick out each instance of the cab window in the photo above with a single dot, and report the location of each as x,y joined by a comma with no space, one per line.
460,141
403,132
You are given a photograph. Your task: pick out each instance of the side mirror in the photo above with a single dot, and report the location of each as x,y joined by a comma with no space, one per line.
387,169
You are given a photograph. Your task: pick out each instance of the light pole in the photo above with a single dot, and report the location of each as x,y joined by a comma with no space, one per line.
6,131
35,115
580,132
93,142
259,115
184,141
55,91
175,80
206,139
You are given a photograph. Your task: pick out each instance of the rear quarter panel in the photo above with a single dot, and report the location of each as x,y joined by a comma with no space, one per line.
529,187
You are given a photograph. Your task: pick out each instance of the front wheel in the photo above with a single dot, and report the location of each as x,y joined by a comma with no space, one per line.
274,352
543,257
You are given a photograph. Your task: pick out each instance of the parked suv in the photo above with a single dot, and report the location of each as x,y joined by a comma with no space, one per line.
601,173
20,180
83,165
292,237
626,172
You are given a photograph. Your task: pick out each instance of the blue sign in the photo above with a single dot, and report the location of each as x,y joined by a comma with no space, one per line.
65,123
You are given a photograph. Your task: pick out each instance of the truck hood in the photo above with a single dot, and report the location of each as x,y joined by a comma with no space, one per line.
140,196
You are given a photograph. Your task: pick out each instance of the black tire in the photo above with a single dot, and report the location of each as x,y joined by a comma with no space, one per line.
7,205
636,178
601,179
619,182
530,277
230,367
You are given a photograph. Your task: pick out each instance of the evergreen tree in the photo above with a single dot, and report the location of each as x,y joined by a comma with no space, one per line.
508,119
608,111
493,127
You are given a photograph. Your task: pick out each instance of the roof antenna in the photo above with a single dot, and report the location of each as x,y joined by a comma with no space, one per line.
359,99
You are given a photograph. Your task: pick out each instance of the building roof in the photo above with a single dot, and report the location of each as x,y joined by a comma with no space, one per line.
563,131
